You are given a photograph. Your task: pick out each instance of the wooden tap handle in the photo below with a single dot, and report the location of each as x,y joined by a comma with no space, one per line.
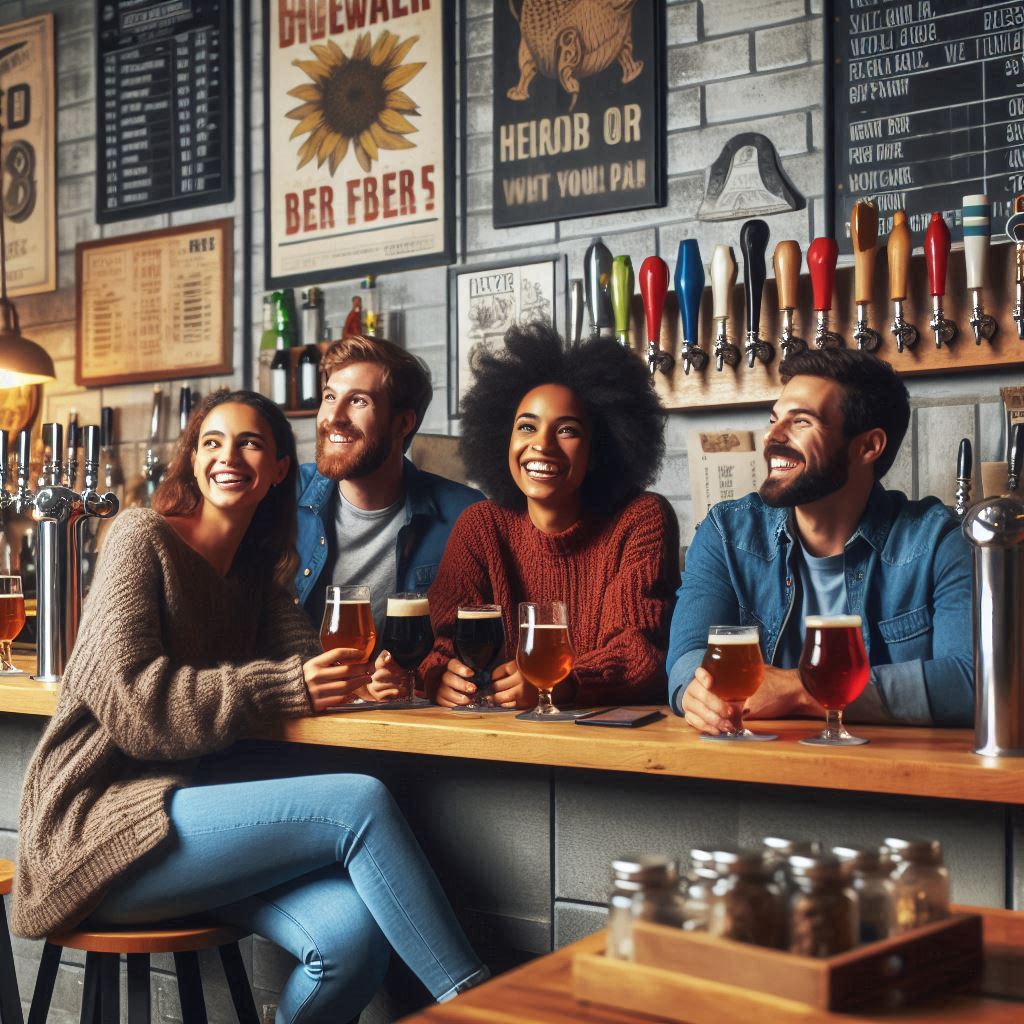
689,287
898,248
822,255
977,228
754,237
787,260
723,278
936,254
864,233
653,286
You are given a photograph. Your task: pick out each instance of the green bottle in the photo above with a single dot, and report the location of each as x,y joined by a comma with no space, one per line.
280,366
267,343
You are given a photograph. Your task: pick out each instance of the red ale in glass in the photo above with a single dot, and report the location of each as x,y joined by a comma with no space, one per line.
834,665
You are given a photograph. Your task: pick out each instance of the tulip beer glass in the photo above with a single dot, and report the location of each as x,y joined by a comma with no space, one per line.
834,670
408,635
12,618
733,659
545,655
480,643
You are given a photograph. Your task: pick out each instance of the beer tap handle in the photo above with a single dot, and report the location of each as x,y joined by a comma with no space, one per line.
576,307
1015,463
964,474
53,438
754,237
5,498
689,288
24,458
786,261
864,234
723,280
936,255
822,255
898,250
92,458
622,288
1015,231
597,272
106,427
653,289
977,215
184,407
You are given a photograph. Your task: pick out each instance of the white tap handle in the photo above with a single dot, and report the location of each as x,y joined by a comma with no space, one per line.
723,279
977,228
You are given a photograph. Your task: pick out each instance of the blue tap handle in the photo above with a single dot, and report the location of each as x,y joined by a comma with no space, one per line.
689,282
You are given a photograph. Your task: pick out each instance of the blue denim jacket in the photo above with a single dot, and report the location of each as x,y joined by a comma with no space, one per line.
908,575
432,504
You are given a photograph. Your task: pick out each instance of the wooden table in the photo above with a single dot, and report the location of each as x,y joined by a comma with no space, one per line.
541,993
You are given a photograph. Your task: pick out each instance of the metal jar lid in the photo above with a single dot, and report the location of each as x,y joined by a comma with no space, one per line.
869,859
917,851
817,867
643,871
740,861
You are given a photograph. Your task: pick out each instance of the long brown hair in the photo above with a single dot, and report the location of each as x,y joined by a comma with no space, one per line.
269,544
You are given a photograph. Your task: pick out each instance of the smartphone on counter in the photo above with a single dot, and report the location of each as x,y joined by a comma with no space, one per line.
622,718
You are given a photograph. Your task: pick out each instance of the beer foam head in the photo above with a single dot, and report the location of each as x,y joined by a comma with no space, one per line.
832,621
748,636
348,600
484,612
408,607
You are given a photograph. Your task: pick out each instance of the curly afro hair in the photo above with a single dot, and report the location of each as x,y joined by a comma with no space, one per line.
627,420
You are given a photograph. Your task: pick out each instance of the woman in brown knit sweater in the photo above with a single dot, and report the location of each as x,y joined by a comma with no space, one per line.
564,441
188,641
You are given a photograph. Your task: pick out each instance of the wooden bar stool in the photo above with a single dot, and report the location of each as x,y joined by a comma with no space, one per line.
103,949
10,1001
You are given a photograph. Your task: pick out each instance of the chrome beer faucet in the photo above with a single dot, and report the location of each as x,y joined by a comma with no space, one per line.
1015,231
964,476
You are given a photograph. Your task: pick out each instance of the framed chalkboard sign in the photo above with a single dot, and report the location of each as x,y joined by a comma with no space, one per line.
927,106
164,106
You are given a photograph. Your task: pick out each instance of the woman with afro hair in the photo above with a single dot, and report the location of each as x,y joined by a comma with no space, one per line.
564,440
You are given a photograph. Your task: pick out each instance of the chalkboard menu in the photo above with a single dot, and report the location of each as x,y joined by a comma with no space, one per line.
927,107
164,106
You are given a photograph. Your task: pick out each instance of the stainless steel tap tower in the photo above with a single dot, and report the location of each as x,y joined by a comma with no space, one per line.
61,513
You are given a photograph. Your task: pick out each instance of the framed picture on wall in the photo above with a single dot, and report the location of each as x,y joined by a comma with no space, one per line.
359,139
579,109
485,301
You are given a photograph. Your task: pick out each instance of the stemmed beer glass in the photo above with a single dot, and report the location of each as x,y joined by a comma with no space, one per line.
545,655
12,618
408,635
479,643
834,670
348,622
734,660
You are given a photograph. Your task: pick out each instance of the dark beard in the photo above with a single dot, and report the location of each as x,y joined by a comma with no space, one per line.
810,485
369,459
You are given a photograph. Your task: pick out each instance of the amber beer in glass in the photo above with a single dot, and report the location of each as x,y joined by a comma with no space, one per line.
834,670
480,643
544,655
12,618
733,658
348,621
408,635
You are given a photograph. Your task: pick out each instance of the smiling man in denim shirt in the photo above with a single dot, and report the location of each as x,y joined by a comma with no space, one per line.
822,537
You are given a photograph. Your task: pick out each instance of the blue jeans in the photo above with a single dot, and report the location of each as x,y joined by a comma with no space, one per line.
323,866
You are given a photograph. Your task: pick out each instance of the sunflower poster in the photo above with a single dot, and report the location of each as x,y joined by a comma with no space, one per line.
358,139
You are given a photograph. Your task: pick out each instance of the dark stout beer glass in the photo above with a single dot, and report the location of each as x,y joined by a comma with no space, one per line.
480,644
834,670
545,655
734,660
408,635
12,618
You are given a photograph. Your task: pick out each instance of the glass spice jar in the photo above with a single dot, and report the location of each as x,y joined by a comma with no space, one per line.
822,907
921,882
747,904
643,888
697,890
868,872
777,853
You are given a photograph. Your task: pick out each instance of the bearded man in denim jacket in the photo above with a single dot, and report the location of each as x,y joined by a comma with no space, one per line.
823,537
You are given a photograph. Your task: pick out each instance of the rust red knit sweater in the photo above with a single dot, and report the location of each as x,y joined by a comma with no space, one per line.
617,576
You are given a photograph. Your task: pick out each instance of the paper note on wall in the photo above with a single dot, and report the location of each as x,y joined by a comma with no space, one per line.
724,465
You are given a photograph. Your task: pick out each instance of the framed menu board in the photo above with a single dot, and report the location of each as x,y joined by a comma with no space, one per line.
164,106
155,306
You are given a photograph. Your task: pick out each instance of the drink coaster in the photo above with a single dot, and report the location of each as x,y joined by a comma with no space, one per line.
483,709
562,716
382,705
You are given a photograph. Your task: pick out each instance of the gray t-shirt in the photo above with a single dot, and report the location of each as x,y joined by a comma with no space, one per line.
822,592
366,551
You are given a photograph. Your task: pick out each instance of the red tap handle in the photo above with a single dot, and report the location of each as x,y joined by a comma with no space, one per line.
653,287
822,255
936,253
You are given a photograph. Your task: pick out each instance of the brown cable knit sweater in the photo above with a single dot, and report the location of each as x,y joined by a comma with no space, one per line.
172,662
618,577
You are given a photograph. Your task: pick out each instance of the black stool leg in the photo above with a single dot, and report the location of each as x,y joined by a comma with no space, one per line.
138,988
238,984
43,992
110,988
10,1001
91,989
190,988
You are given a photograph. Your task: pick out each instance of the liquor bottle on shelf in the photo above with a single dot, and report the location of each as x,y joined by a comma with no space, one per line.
309,376
280,366
368,295
312,315
268,343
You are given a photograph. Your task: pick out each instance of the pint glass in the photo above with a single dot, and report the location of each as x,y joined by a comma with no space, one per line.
480,643
544,655
408,635
834,670
348,621
733,658
12,618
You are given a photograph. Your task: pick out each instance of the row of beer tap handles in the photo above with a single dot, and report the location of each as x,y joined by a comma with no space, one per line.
965,469
608,284
56,497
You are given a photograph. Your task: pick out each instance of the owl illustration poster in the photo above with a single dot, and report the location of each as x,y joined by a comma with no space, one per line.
578,108
358,137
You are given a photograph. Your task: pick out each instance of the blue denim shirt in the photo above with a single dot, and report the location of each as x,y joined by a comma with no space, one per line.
432,504
908,575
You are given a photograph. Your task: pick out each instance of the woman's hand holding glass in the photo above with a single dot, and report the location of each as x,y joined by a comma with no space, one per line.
335,677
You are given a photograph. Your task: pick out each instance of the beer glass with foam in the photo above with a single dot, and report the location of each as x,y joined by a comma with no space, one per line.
733,658
480,643
12,618
408,635
544,655
834,670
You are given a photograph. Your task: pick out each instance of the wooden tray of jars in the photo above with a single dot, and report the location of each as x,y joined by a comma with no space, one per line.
700,979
